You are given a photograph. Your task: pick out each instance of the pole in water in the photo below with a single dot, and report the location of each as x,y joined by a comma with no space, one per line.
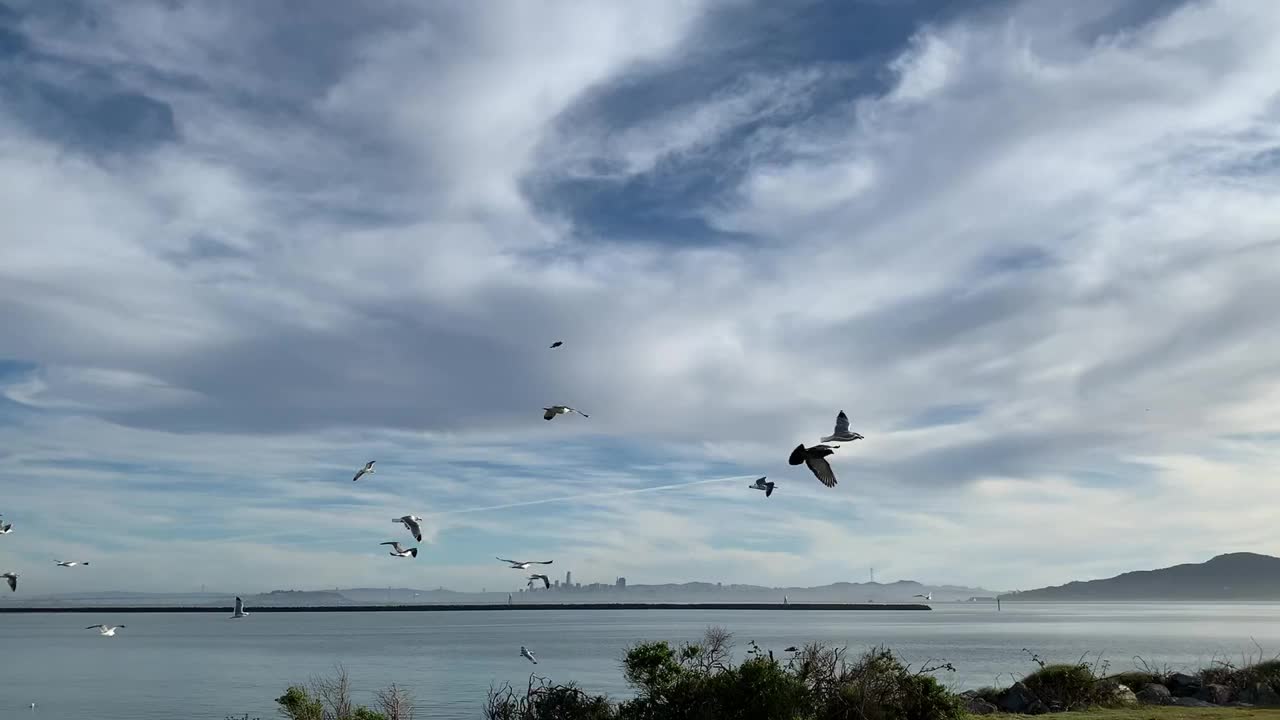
997,603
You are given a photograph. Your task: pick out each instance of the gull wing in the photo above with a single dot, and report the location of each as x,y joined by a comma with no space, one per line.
541,562
822,470
513,562
13,582
797,455
768,489
842,424
394,546
550,413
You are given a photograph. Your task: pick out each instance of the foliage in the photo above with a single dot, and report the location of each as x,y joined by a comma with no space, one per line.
545,701
330,699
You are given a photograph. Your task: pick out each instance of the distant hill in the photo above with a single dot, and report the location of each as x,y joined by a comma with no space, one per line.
1234,576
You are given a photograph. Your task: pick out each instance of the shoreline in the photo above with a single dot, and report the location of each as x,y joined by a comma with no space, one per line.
472,607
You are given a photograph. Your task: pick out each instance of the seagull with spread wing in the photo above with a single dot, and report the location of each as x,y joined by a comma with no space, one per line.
816,459
71,563
842,433
399,551
411,524
555,410
546,581
239,611
524,652
524,565
760,484
366,470
106,630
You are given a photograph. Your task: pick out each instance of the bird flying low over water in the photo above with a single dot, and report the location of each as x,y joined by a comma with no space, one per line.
555,410
399,551
13,580
71,563
104,630
524,652
928,596
524,565
545,580
239,611
366,470
842,433
411,524
760,484
556,344
816,459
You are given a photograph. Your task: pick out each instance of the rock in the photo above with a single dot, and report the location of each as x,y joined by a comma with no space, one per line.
1122,695
1214,693
1191,702
1261,695
1183,685
977,706
1019,699
1154,694
1239,704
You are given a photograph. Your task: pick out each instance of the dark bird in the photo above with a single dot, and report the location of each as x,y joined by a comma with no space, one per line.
760,484
793,648
816,459
13,580
545,580
366,470
842,433
556,344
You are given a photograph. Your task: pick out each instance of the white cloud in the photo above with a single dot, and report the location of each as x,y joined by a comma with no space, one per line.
1072,236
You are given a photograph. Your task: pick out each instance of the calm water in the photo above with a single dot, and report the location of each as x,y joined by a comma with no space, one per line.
205,666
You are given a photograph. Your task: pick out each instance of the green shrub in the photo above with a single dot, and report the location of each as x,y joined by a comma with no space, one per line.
1068,686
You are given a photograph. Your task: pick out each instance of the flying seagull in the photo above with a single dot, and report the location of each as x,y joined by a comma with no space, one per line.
928,596
556,344
545,580
104,630
5,529
239,611
525,565
71,563
399,551
13,580
760,484
842,433
366,470
816,458
524,652
555,410
411,523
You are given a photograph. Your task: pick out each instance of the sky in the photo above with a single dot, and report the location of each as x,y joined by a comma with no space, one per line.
1030,248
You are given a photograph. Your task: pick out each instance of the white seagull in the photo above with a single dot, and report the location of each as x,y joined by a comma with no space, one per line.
525,565
71,563
760,484
524,652
239,611
13,580
545,580
411,523
842,433
555,410
104,630
398,551
928,596
366,470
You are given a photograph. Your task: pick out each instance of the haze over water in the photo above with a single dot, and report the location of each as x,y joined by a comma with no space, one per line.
204,666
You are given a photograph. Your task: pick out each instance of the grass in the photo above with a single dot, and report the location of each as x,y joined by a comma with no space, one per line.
1161,713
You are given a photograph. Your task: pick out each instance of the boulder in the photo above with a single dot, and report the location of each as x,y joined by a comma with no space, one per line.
1154,694
1120,694
1019,699
1191,702
1214,693
977,706
1260,695
1183,685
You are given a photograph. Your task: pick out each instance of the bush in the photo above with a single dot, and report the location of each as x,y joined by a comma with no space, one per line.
1067,686
1265,673
330,699
544,701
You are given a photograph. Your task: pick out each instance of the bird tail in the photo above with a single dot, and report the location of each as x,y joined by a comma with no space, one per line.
797,455
413,552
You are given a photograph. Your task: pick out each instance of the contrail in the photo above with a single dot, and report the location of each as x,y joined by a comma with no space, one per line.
614,493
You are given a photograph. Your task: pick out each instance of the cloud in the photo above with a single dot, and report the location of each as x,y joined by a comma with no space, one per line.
1027,249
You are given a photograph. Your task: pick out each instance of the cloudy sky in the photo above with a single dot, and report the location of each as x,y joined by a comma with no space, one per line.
1031,248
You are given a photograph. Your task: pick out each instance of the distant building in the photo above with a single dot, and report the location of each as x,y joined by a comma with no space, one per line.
621,582
568,578
556,584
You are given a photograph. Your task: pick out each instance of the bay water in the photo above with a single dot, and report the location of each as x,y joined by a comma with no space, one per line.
203,665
